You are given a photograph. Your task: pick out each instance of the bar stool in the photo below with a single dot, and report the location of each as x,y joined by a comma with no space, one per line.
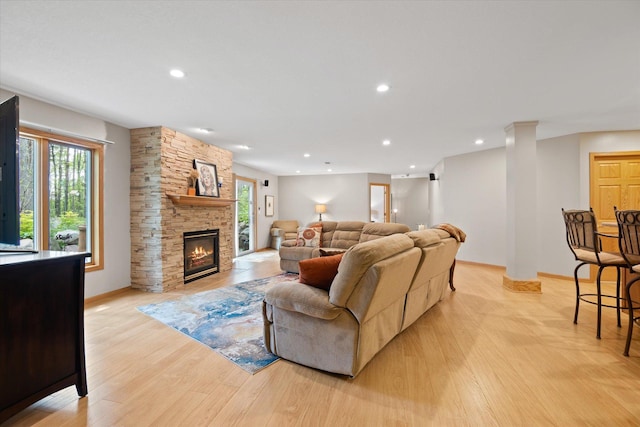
584,241
629,242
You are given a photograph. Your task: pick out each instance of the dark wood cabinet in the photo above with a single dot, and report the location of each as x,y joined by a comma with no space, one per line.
41,327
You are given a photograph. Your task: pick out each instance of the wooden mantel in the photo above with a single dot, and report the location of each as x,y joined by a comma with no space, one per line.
183,199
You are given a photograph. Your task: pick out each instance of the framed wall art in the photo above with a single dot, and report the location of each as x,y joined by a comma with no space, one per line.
208,179
268,205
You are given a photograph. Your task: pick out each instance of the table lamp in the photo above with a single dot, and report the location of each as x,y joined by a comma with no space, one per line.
320,209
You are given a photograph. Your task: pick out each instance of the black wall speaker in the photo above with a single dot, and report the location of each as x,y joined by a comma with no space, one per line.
432,177
266,182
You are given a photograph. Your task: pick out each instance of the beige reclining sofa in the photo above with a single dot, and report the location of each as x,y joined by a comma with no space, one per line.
335,236
382,286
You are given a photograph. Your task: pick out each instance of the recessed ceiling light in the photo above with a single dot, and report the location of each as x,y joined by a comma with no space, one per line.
329,170
307,155
205,130
244,147
383,87
297,171
178,74
479,142
386,142
412,167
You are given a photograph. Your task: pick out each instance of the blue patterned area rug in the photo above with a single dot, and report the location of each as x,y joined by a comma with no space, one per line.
229,320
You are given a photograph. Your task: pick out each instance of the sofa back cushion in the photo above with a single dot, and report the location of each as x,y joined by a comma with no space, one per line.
328,227
345,234
375,230
360,258
438,252
425,238
383,285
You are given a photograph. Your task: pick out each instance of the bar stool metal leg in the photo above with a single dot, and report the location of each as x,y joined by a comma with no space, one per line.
575,276
631,316
599,301
618,295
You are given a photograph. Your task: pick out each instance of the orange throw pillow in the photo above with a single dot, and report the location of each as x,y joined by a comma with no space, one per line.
319,272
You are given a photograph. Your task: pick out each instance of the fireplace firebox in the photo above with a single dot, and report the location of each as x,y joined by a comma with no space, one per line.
201,254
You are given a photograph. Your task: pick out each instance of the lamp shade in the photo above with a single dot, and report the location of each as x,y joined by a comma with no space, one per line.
320,209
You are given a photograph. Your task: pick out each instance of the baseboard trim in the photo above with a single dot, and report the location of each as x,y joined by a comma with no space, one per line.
98,298
540,273
559,276
479,264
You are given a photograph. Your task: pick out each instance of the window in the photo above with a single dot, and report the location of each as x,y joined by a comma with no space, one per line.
61,194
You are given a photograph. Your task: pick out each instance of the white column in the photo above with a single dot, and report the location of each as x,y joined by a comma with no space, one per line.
522,230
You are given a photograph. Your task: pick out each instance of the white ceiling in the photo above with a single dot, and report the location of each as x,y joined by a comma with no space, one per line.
287,78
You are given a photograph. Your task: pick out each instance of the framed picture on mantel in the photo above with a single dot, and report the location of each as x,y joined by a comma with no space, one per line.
208,180
268,205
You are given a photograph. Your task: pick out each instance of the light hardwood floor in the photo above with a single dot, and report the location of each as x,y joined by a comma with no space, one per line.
484,356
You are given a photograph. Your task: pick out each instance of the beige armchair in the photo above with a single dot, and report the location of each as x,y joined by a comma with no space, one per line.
283,230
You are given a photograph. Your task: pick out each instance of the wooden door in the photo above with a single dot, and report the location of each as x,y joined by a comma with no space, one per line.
615,181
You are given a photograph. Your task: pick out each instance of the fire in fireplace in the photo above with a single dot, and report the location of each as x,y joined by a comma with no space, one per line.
201,257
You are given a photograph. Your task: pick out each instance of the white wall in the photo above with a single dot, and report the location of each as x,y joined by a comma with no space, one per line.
411,198
558,171
472,188
346,197
436,202
263,223
117,240
117,244
471,194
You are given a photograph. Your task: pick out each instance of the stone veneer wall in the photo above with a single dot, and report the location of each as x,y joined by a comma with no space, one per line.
160,162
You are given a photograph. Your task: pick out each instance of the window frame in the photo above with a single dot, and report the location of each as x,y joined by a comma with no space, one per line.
43,140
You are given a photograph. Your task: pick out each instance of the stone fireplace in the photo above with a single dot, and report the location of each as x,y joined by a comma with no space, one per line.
160,163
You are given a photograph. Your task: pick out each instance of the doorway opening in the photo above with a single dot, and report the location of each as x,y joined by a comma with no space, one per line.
245,215
380,201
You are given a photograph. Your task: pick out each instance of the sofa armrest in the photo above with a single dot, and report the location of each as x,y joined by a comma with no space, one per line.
277,232
301,298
